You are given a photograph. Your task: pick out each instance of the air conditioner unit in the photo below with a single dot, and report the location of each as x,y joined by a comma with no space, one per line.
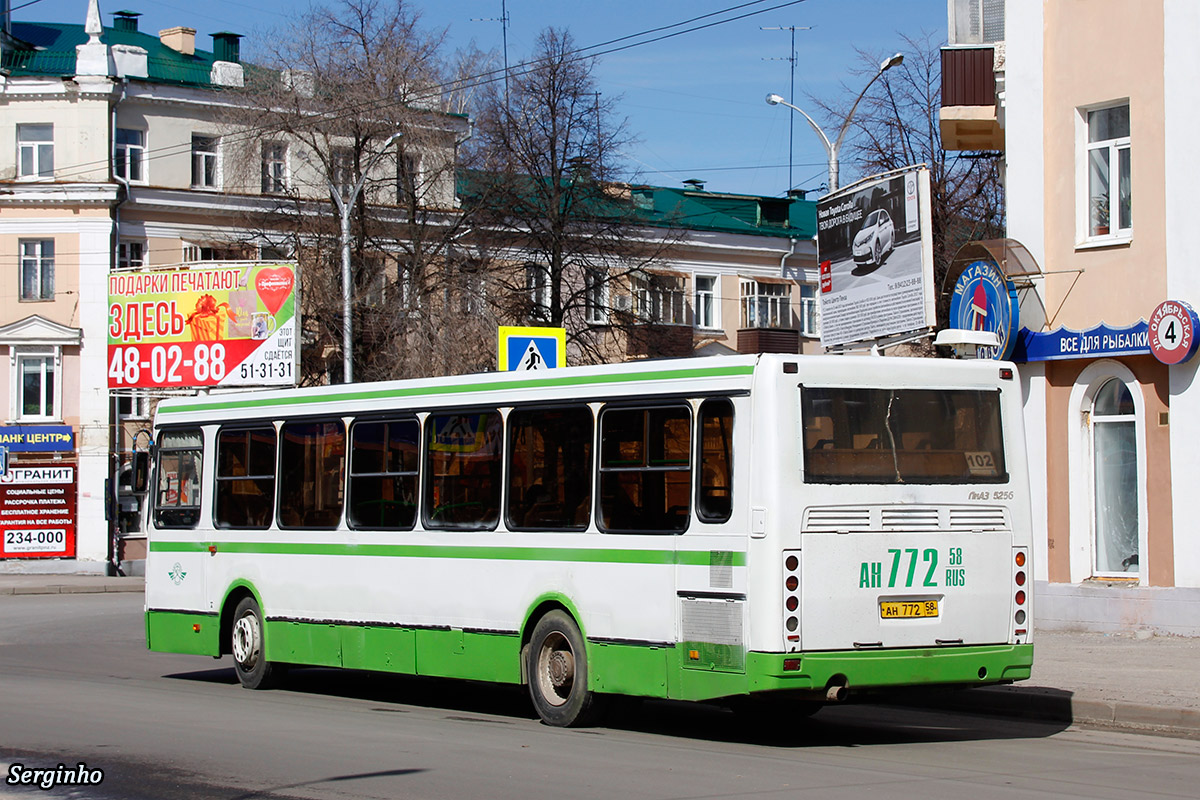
623,302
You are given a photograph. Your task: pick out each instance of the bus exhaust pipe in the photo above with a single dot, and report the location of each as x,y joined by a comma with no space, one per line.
836,693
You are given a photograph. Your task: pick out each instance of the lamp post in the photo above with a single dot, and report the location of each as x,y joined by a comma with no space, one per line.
344,207
831,149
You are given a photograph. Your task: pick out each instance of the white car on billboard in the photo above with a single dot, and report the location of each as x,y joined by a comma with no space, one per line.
875,239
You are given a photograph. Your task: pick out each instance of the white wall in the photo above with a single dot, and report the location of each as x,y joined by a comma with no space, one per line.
1025,187
1181,74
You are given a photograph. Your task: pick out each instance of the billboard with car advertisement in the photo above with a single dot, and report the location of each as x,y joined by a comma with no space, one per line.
875,251
207,324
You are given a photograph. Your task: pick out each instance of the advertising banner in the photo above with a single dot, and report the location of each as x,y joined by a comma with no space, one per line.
38,438
37,512
210,324
875,250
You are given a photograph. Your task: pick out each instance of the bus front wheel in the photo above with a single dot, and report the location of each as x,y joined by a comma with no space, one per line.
558,675
246,644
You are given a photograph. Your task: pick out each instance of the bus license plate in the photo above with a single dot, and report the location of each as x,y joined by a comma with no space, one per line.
908,610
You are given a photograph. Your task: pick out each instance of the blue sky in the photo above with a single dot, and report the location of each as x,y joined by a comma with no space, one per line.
695,101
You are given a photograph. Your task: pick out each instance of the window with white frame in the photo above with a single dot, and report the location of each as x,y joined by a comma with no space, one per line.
131,254
35,151
129,155
37,389
596,297
205,161
37,270
1115,484
659,299
708,310
537,286
135,405
810,317
765,305
274,167
341,170
1109,189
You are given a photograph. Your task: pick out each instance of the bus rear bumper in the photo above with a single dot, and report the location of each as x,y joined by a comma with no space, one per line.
872,669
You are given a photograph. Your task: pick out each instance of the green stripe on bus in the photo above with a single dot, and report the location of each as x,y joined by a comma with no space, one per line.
697,558
419,391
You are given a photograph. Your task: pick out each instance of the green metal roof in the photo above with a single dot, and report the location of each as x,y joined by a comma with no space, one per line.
51,51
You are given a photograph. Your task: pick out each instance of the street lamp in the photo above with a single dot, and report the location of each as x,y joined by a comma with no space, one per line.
344,207
831,150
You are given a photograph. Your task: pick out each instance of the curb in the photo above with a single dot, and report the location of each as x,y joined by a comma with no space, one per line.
73,588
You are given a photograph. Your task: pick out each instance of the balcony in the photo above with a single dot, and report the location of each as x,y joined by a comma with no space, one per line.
969,118
768,340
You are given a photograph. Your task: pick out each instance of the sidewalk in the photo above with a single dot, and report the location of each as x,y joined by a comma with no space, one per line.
1128,681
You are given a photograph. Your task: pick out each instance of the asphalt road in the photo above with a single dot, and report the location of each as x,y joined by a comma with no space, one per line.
76,684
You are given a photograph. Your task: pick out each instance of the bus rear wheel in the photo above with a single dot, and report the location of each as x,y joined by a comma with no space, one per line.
246,644
556,663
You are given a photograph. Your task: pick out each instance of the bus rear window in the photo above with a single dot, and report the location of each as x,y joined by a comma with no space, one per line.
854,435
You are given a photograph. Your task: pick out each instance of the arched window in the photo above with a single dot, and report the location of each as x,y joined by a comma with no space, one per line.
1115,480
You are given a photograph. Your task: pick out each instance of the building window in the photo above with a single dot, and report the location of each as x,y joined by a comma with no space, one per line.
976,21
537,286
37,383
205,162
1115,481
35,151
135,405
810,317
274,167
659,299
1109,173
596,297
408,176
130,155
341,170
765,305
708,312
37,270
131,254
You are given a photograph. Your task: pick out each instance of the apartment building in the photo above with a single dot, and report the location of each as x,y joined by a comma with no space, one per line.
120,155
1092,102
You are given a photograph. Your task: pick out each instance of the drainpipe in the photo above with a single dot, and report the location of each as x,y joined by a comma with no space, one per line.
113,502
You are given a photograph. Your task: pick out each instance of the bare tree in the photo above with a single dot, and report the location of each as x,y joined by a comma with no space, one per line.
896,125
350,97
562,234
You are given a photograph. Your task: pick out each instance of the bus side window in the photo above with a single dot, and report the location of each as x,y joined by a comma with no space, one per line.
645,469
312,467
462,470
177,494
383,474
245,480
715,499
549,469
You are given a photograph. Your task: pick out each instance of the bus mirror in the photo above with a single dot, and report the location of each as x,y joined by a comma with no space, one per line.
141,471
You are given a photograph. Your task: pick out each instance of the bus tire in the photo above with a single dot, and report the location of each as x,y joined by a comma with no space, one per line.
558,675
246,642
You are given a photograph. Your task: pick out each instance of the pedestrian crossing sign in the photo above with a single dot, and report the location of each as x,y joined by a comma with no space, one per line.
523,349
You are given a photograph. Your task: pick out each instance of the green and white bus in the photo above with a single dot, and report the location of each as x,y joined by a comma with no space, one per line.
712,529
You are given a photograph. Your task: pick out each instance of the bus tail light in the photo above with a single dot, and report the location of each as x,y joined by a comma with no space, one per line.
791,601
1020,598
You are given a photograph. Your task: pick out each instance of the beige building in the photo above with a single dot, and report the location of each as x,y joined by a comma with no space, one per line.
1093,104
